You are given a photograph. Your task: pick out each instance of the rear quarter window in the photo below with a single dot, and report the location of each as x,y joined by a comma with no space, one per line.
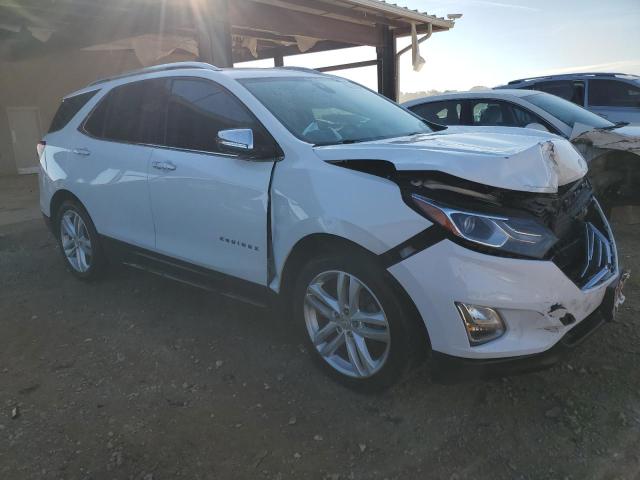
613,93
68,109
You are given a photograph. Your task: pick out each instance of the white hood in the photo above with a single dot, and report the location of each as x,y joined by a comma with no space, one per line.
531,162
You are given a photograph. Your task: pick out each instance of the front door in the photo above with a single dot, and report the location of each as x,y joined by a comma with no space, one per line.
209,208
24,123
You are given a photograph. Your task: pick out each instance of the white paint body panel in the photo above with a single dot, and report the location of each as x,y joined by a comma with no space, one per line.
505,160
212,211
523,291
184,213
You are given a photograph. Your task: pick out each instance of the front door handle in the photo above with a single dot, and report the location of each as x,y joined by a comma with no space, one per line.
166,166
82,151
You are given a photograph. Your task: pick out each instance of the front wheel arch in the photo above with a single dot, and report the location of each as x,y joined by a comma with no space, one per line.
312,246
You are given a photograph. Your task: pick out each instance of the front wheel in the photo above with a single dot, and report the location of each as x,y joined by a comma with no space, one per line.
356,323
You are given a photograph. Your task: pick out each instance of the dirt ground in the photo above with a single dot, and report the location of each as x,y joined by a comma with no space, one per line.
137,377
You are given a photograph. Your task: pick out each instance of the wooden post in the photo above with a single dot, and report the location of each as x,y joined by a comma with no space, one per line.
211,19
387,66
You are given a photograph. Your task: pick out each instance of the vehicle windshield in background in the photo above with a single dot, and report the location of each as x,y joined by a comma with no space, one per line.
568,112
329,111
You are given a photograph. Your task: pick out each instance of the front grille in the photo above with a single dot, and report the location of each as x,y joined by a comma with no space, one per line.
587,253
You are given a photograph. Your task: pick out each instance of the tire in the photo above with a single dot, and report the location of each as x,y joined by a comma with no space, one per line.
82,252
378,316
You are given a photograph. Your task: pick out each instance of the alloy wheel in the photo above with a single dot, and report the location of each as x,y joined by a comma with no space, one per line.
347,324
76,242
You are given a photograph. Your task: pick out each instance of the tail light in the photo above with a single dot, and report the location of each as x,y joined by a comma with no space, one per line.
40,147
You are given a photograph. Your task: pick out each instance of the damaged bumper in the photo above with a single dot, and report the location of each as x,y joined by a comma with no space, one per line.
451,369
538,303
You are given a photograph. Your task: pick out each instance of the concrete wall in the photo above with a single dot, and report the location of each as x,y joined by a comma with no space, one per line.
42,82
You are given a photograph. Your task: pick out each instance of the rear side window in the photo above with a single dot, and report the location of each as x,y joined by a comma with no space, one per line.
131,113
572,90
199,109
68,109
444,113
612,93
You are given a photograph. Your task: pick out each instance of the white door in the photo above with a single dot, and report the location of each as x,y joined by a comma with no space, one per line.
209,208
24,123
110,160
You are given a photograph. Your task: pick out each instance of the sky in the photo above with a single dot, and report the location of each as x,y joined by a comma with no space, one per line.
502,40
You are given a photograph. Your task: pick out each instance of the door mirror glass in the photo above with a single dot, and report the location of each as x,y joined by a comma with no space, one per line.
236,140
537,126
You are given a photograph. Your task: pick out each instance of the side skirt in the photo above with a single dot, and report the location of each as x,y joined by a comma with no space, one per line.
188,273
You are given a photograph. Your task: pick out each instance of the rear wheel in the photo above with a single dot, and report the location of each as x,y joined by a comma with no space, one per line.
355,321
79,241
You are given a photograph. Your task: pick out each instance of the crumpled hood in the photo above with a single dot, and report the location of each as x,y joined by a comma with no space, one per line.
529,161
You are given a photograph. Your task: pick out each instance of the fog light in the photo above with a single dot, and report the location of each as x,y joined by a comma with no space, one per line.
483,324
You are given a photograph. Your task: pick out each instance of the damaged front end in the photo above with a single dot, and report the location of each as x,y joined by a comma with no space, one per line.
567,227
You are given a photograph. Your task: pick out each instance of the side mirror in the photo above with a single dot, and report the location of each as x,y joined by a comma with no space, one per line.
537,126
237,140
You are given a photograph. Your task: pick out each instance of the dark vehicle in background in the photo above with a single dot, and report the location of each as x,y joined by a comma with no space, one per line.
614,96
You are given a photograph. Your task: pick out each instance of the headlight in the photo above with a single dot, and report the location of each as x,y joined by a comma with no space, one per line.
522,236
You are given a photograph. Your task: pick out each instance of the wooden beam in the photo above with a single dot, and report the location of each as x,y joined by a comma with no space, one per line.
387,65
253,15
346,66
211,19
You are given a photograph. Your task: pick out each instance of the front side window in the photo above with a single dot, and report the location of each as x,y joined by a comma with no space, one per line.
199,109
613,93
443,113
131,113
328,110
566,111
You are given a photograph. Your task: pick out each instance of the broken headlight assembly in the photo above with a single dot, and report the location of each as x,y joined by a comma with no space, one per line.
515,235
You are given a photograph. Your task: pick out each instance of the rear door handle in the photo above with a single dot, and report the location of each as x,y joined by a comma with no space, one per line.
166,166
82,151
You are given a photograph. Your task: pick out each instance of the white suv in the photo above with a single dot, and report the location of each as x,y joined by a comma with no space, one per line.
385,240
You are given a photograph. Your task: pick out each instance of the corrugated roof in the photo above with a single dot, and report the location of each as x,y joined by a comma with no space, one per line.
403,13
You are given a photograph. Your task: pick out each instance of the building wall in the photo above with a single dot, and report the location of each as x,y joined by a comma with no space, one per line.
43,81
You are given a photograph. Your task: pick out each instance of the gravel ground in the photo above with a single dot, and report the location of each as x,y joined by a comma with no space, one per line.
137,377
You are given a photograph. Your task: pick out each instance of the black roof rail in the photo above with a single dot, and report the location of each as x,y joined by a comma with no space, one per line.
158,68
564,75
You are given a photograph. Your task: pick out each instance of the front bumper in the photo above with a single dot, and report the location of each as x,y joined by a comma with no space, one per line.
535,299
449,369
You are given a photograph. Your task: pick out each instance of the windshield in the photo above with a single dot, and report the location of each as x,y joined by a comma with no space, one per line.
329,111
567,112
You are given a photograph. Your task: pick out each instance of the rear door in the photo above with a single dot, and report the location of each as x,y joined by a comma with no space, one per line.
615,100
209,207
111,155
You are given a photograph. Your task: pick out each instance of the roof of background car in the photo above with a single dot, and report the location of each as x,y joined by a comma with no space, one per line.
521,92
571,76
